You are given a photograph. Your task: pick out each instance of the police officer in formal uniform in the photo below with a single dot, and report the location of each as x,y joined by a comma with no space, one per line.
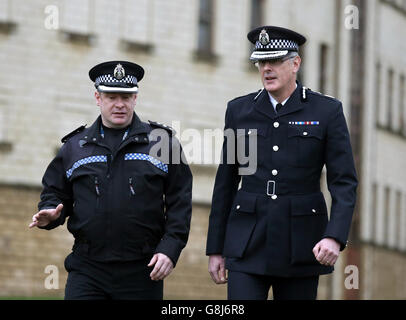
125,188
273,230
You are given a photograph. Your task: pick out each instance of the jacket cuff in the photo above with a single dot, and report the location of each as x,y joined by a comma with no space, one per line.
343,244
53,224
170,248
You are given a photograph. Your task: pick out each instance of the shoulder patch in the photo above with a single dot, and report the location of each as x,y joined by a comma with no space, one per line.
74,132
162,126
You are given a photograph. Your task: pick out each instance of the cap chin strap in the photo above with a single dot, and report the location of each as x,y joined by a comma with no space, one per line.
102,88
266,55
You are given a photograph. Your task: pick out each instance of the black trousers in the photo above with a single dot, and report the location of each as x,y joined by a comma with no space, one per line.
94,280
245,286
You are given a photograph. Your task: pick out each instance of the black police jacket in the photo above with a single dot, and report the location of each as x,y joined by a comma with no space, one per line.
272,222
124,205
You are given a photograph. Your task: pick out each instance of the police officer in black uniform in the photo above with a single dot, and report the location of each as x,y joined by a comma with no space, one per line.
274,230
126,190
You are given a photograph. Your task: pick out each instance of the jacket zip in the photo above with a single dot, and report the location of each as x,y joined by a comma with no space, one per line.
130,181
109,162
96,185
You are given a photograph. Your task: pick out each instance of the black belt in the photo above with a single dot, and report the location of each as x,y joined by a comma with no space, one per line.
272,187
144,246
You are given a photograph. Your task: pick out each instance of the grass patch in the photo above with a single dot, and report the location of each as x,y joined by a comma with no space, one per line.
31,298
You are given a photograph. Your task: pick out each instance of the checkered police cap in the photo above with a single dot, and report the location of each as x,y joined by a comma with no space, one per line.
274,42
116,76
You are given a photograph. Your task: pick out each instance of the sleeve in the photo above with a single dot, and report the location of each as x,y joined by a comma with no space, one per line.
341,178
56,190
178,204
225,188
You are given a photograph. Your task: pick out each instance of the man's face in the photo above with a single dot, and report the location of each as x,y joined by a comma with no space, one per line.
278,74
116,108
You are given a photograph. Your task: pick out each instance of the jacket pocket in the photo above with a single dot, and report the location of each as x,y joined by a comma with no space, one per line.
88,191
240,226
308,223
305,146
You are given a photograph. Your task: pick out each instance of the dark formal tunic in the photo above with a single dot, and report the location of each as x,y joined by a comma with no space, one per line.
272,222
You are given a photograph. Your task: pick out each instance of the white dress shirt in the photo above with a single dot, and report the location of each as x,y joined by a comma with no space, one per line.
274,102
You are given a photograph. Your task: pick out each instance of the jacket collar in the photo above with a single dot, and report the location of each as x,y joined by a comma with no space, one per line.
263,104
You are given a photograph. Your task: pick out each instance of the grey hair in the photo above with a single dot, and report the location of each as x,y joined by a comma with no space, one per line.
290,55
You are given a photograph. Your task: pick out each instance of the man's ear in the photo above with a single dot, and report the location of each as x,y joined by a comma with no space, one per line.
97,96
296,63
134,98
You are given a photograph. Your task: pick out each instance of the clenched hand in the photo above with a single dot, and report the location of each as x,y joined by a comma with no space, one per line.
163,266
326,251
217,269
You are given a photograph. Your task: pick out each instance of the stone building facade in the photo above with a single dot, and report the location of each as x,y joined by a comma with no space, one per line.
195,54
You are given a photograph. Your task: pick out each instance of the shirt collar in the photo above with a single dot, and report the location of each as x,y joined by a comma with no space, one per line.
274,102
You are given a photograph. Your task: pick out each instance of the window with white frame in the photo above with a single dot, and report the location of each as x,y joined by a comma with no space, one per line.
402,106
377,97
5,144
205,30
374,206
76,19
137,24
387,212
389,101
257,13
398,220
6,21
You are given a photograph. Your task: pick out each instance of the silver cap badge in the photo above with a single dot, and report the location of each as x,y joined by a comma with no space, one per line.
264,37
119,72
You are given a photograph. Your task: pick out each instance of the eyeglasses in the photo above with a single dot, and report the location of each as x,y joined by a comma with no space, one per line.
275,61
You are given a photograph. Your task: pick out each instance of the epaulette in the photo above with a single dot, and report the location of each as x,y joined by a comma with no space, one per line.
246,96
303,94
74,132
162,126
321,94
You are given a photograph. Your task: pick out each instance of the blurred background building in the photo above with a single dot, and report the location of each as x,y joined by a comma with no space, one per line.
195,53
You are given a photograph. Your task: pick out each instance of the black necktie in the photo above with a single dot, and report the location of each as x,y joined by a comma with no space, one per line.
278,107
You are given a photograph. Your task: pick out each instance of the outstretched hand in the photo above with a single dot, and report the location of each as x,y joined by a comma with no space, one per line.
44,217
